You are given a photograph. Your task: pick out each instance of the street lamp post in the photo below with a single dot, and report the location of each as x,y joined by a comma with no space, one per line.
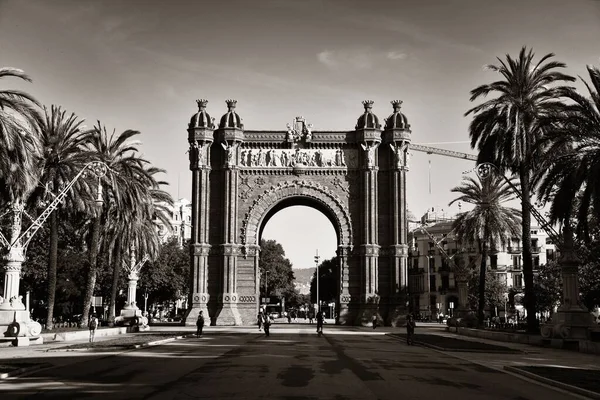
572,321
317,265
12,307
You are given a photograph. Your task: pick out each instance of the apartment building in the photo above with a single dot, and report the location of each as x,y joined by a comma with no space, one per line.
432,285
181,222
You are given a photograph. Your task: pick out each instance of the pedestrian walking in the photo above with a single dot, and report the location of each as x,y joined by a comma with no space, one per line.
410,330
320,319
200,324
266,325
374,321
259,318
92,325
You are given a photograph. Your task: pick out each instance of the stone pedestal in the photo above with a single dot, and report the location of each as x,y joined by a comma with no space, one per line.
368,308
229,313
572,321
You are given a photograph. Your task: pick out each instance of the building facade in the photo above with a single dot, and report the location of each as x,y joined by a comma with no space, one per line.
181,223
432,286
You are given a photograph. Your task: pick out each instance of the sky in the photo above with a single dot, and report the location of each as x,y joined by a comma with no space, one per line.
142,64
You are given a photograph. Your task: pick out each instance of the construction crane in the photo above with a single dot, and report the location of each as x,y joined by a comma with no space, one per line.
484,170
442,152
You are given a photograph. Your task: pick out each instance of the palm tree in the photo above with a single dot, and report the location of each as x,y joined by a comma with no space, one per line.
18,140
133,227
61,139
507,129
118,153
488,224
573,170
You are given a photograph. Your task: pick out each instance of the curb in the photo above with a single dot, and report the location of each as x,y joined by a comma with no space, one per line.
432,346
21,371
570,388
157,342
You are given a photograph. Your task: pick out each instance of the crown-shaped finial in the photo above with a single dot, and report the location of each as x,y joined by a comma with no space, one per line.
368,104
202,104
396,104
231,104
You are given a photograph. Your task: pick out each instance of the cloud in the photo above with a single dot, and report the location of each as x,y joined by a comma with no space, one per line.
396,55
357,59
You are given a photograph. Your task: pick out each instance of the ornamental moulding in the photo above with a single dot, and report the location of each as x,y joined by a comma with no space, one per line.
270,197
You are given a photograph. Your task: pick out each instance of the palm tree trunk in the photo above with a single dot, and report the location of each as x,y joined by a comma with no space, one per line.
524,176
482,273
92,271
52,262
115,285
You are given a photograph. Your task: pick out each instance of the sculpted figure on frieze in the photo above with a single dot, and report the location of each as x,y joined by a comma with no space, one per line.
230,154
370,153
292,157
400,154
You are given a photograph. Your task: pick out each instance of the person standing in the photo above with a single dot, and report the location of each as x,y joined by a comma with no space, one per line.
200,324
259,319
374,321
320,322
266,324
410,330
92,325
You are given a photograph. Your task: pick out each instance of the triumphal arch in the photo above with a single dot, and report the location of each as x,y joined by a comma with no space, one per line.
241,178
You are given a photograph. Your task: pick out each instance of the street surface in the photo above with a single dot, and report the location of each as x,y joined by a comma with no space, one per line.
293,363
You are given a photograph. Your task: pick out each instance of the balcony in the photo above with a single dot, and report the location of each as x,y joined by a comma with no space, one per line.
536,249
431,253
515,249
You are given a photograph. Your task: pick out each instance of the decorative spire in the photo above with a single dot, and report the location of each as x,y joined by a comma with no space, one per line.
368,105
202,104
396,104
231,104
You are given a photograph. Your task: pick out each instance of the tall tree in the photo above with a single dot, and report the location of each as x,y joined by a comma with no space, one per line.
61,139
488,224
328,281
119,153
19,146
506,130
277,277
572,171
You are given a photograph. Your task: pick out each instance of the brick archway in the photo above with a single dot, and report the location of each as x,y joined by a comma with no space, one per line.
254,218
241,177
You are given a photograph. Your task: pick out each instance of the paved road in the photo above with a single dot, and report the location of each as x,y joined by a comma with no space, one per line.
288,365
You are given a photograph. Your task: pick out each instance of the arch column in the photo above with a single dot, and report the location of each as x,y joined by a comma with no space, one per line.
200,138
231,139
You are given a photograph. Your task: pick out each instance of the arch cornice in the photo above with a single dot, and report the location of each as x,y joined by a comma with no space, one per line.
295,188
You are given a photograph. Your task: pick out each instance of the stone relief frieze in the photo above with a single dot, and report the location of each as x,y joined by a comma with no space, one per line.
292,157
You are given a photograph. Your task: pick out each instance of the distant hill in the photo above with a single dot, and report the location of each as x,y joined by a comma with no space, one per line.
302,279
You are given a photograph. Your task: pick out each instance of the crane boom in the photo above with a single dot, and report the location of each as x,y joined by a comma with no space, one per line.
442,152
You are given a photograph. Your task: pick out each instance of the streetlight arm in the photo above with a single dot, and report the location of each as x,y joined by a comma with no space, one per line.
484,170
98,168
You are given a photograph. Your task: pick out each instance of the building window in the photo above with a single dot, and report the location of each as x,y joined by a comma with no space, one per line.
517,280
550,254
445,282
432,283
432,264
516,262
494,261
536,262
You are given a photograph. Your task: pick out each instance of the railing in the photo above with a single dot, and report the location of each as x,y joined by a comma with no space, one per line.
431,252
515,249
536,249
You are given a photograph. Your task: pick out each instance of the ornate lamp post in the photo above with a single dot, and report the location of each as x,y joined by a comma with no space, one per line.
12,309
317,258
572,320
131,310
